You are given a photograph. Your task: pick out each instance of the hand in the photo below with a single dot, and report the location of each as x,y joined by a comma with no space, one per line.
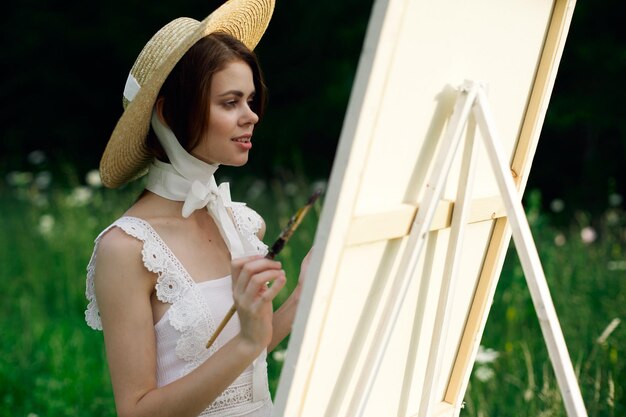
253,298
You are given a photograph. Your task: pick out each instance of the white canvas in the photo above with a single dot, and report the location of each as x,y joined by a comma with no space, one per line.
416,54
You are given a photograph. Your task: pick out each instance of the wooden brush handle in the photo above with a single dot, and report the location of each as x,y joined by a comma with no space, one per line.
223,324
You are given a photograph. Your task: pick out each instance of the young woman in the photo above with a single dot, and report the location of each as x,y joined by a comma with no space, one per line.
164,275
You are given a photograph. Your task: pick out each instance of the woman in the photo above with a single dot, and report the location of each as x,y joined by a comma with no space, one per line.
164,275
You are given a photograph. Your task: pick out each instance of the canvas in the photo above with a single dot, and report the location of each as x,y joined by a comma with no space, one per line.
416,55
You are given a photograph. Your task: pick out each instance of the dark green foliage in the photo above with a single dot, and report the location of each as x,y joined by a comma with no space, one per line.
582,149
66,64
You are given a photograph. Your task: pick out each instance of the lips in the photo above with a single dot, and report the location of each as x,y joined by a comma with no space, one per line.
243,142
242,139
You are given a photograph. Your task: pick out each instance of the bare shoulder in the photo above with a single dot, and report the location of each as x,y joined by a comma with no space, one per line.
119,262
116,244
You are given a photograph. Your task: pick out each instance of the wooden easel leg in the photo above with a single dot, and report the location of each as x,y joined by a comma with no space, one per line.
531,264
455,248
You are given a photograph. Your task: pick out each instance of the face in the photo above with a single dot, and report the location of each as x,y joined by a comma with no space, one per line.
231,120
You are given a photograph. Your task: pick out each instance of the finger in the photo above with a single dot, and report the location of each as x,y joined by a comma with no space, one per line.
237,264
237,267
271,292
258,271
258,283
252,268
261,281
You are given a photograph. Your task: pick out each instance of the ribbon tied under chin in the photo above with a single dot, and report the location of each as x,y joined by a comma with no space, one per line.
216,200
201,195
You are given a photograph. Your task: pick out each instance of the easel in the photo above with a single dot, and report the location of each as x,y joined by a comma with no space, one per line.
472,99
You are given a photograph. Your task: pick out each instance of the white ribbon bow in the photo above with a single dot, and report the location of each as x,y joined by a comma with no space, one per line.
201,195
216,200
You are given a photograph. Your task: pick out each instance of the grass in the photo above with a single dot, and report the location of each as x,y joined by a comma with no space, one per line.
585,264
52,364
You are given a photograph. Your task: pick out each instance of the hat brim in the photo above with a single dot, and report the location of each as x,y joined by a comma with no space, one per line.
126,156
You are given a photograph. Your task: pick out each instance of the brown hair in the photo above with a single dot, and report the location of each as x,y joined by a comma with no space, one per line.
186,90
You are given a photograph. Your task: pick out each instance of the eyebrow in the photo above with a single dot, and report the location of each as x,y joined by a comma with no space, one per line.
234,92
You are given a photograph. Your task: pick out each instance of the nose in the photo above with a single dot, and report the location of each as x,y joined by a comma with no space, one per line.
249,116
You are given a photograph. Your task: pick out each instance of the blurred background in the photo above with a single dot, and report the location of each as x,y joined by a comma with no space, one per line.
65,65
64,68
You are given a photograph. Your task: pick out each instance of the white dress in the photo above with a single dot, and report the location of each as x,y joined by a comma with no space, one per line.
195,311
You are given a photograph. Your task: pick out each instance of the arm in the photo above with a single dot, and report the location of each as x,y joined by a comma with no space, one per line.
284,316
123,290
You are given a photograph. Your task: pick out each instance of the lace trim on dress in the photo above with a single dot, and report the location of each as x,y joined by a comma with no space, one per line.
188,312
248,223
237,394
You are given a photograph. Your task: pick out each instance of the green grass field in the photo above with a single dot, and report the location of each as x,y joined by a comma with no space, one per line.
52,364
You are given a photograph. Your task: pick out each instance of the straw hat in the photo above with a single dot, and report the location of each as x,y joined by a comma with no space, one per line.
126,156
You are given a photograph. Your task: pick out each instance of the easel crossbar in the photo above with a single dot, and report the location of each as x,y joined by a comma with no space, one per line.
396,222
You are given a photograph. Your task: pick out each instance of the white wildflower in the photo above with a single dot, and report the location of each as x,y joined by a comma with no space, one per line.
319,185
36,157
19,178
588,235
484,373
487,355
557,205
80,196
615,199
43,180
92,178
46,224
559,239
279,355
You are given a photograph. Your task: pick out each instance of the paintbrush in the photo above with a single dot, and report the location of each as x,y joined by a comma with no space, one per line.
274,250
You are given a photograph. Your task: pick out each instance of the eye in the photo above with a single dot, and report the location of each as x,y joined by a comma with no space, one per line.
252,101
230,103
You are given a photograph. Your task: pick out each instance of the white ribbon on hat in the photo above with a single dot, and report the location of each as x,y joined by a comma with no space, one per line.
191,180
131,88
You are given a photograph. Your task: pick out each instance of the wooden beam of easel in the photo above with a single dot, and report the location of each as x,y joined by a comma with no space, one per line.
396,222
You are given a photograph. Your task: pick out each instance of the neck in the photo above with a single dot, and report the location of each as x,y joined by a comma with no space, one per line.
173,181
185,164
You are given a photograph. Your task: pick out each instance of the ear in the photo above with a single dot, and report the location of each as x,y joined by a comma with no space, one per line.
159,109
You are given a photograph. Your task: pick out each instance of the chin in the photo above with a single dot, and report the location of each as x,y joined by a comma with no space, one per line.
239,162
